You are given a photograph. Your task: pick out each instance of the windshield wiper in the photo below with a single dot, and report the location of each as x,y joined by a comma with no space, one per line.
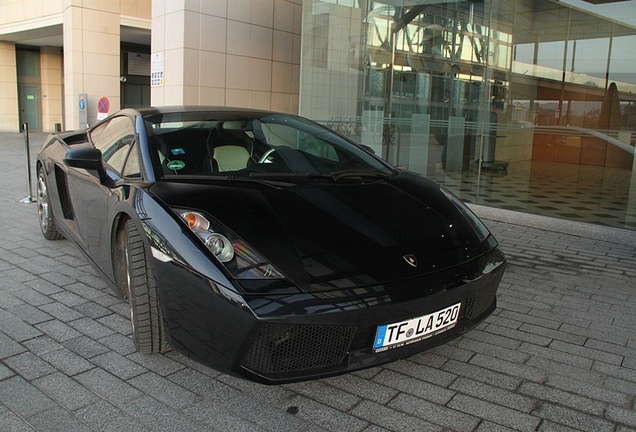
360,174
289,176
333,176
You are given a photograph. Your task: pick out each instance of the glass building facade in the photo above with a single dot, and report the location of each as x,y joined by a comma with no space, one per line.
516,104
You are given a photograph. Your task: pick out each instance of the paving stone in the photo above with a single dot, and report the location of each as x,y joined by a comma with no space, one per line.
118,365
57,420
9,347
85,346
30,314
61,312
11,422
325,394
5,372
58,330
316,413
121,344
587,353
161,365
217,418
66,391
574,419
484,375
102,416
164,390
92,310
22,397
42,344
68,298
18,329
494,394
67,361
421,389
391,419
434,413
108,387
423,372
90,328
159,417
29,366
513,369
362,388
621,415
589,390
495,413
116,322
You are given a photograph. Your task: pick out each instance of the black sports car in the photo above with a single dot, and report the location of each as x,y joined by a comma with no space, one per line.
263,244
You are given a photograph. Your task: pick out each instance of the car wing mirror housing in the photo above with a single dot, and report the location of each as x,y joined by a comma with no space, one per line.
367,148
89,159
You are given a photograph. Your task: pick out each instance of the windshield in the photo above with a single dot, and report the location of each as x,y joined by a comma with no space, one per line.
255,145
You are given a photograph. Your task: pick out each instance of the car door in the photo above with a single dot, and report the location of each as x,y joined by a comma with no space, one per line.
93,199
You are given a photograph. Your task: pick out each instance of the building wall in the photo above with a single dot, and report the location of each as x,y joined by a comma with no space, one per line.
52,85
91,58
234,53
90,31
16,11
8,88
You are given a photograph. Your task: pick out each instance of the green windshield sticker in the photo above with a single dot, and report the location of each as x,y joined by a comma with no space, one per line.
176,165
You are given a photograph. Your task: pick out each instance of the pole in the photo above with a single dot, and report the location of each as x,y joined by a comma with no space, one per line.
29,198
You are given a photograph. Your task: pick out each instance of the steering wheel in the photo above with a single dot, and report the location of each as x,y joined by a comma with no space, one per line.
268,156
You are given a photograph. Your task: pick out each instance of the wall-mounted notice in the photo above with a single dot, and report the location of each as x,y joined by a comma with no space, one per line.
138,64
156,69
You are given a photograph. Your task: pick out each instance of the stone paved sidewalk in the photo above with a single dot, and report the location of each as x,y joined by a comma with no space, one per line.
558,354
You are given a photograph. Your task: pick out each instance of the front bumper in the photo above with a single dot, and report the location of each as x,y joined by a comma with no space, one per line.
293,337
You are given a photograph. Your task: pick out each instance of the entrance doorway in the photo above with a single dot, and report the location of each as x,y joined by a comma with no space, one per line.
29,97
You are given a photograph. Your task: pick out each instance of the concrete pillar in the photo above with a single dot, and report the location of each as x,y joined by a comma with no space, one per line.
91,57
9,119
226,52
51,81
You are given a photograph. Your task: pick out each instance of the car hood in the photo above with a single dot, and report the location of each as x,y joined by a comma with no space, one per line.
334,236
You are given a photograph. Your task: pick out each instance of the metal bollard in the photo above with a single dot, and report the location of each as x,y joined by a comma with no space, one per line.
29,198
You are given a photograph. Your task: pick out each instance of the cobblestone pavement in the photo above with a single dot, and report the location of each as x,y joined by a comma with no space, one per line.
558,354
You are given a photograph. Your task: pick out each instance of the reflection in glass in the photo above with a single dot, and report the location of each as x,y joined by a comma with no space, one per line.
527,106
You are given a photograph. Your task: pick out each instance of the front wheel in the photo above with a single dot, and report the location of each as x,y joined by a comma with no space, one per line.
145,314
45,212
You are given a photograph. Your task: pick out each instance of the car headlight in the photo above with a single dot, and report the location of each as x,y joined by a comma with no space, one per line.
240,259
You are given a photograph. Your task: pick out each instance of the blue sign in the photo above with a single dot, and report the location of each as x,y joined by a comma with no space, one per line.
82,104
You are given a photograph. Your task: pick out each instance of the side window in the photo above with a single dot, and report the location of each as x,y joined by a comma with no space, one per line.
132,167
115,139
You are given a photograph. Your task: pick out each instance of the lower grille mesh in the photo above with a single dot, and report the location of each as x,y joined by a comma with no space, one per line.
286,348
482,299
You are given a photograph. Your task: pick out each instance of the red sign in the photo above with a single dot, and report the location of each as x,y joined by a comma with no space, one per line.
103,105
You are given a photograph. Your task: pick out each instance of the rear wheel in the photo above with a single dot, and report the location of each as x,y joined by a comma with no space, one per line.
45,213
139,288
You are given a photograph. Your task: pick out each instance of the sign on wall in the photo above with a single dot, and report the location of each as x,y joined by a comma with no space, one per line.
103,106
82,110
156,70
138,64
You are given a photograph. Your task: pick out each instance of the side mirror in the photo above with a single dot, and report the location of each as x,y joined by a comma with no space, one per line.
367,148
89,159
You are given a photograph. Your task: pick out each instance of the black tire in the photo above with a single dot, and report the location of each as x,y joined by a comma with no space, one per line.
45,212
145,314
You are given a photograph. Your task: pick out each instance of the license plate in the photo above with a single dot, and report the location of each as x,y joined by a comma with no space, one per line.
415,329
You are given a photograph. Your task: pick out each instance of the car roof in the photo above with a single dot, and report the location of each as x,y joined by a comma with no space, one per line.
199,108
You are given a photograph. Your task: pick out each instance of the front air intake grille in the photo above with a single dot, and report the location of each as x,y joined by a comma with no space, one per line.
62,191
280,348
482,299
